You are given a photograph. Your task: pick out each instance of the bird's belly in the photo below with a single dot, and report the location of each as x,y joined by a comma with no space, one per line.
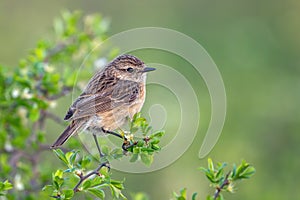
114,119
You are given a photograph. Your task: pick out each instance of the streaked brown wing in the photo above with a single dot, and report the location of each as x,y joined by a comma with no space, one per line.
99,87
121,94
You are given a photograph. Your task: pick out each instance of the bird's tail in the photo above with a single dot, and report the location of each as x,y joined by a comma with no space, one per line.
68,132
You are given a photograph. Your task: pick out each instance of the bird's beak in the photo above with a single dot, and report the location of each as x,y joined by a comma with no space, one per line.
148,69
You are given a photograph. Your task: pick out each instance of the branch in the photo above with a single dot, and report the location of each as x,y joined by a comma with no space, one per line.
55,50
219,189
95,172
55,118
126,145
59,48
65,90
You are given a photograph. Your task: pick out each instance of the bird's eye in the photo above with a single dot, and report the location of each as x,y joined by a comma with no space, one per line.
129,69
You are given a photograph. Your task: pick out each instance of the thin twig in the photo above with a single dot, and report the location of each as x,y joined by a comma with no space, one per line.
125,147
55,118
65,90
55,50
59,48
95,172
219,189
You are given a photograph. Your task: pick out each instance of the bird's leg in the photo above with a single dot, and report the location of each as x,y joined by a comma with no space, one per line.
103,161
98,146
102,164
112,133
125,145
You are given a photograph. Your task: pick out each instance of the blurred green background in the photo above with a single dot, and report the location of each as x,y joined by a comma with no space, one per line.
255,45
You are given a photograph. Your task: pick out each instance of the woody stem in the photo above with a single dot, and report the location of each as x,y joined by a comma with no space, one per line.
219,189
95,172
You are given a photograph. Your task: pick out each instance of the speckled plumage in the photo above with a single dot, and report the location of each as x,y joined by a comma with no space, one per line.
114,93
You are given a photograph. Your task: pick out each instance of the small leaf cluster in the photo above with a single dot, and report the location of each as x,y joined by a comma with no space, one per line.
65,181
225,181
4,187
142,140
220,180
140,144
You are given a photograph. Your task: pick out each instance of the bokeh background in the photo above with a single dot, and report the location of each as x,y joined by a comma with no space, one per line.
255,45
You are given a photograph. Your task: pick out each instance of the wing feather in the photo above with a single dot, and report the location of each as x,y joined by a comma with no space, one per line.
121,93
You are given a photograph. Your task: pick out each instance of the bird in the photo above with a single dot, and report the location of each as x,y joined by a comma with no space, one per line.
115,93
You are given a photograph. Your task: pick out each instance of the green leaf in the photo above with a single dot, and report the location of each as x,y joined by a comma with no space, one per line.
203,169
210,175
55,77
194,196
140,196
58,26
209,198
59,173
210,164
5,186
134,157
117,184
140,143
183,193
40,136
97,181
60,154
85,161
233,173
247,173
157,134
147,150
155,147
243,171
155,140
220,197
48,189
97,192
146,158
220,171
86,184
58,179
71,156
34,114
136,150
70,79
116,192
69,193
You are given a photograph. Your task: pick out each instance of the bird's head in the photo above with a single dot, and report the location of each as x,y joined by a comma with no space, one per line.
128,67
